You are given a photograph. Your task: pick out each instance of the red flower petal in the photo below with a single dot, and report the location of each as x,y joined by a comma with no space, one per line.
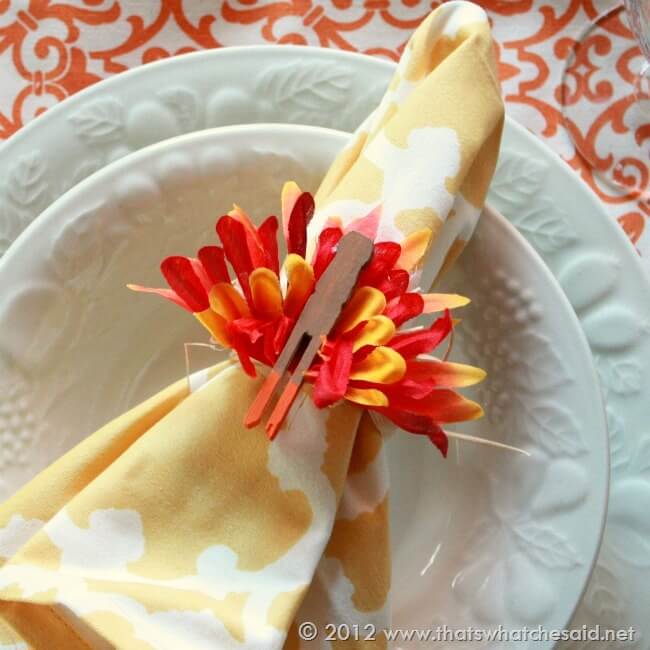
250,328
410,344
168,294
417,389
395,283
280,332
244,334
253,242
425,375
421,425
301,215
404,308
214,262
268,234
182,279
233,237
442,404
201,274
351,335
334,374
382,261
326,249
363,351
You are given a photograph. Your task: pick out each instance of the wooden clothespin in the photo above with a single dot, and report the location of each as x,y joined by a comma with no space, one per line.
317,319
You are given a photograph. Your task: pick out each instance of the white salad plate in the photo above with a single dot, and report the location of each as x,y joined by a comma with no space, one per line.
486,537
547,202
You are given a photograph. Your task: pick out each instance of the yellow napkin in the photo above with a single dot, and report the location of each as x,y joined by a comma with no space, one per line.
425,157
174,527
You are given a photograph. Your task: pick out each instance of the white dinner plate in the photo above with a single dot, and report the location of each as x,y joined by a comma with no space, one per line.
559,215
472,534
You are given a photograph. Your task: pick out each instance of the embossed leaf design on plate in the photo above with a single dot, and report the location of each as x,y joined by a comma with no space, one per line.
99,122
516,190
554,428
306,89
26,181
517,180
545,546
543,227
540,363
624,377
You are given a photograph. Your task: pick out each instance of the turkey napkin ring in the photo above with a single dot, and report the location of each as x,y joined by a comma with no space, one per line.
335,321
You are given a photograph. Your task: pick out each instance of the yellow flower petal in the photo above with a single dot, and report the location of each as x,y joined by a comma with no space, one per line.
446,373
383,366
366,396
215,324
265,289
440,301
300,282
461,374
365,303
414,247
290,194
226,301
377,331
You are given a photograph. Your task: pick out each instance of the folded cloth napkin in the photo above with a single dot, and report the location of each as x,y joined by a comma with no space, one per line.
174,527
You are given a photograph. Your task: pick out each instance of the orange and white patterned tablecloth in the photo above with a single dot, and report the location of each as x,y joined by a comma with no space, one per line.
50,49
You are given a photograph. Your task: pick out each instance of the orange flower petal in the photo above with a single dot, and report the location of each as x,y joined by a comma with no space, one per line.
377,331
414,248
215,324
290,194
265,290
366,396
463,409
382,366
300,283
226,301
241,216
445,373
365,303
434,302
